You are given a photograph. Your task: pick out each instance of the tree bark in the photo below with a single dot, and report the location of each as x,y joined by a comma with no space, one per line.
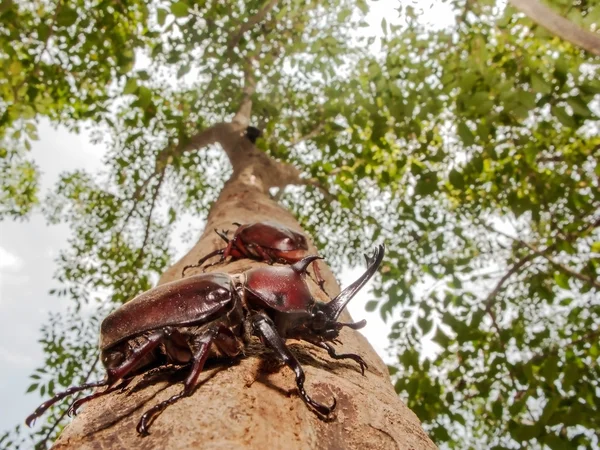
561,27
251,403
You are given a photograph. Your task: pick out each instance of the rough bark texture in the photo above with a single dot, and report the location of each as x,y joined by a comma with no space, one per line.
251,403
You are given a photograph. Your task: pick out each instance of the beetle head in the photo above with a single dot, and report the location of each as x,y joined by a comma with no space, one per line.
322,324
319,327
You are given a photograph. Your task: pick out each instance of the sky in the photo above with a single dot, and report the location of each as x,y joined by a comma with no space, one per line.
29,248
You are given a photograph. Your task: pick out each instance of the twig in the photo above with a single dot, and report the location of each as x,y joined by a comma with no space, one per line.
149,218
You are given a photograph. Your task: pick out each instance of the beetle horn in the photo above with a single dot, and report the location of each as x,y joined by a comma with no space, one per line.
300,266
334,308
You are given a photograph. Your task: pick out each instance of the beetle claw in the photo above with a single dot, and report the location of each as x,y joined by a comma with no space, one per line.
72,411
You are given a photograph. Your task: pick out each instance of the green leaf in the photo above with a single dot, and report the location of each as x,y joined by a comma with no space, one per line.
465,134
371,305
130,86
456,179
425,324
562,116
538,84
66,16
562,280
144,96
180,9
579,106
161,16
427,183
32,387
183,70
524,433
441,338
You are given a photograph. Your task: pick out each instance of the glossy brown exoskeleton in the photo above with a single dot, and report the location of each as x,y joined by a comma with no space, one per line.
179,322
262,241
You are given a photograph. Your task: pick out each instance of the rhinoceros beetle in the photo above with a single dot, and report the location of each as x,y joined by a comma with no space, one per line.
263,241
179,322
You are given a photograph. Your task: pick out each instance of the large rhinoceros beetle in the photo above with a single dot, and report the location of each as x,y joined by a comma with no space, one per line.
262,241
179,322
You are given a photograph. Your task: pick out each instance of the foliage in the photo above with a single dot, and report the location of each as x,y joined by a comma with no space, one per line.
473,151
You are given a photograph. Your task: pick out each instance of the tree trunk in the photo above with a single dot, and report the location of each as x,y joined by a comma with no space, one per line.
252,402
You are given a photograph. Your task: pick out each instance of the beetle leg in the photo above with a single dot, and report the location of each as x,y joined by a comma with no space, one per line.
48,403
261,253
202,260
265,329
137,354
203,344
319,277
238,245
361,362
73,409
113,375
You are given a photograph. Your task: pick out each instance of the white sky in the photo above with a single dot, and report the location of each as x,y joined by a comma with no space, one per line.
28,250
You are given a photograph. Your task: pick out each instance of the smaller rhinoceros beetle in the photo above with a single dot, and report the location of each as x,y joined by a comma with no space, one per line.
262,241
179,322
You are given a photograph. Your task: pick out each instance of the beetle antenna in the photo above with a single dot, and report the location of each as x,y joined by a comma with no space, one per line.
353,325
237,224
334,308
302,265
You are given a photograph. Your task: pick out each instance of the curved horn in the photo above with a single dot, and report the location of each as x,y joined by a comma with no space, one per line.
334,308
300,266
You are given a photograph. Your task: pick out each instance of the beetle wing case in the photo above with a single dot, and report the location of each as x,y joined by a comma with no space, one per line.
272,235
179,303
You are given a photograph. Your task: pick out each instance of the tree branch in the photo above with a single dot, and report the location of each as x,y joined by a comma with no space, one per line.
561,27
514,269
591,336
314,133
242,116
555,263
234,40
149,218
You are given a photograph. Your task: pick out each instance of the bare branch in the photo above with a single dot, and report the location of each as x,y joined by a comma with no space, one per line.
558,25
